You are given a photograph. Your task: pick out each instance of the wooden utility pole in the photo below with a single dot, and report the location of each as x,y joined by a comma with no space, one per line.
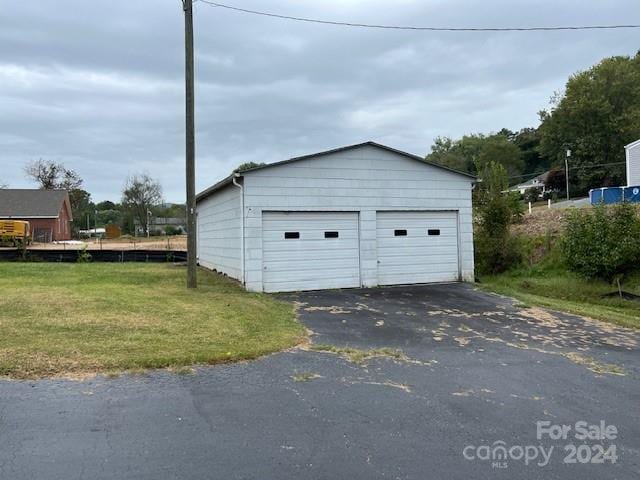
192,281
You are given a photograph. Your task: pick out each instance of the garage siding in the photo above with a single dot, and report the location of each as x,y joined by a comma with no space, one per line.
364,180
219,232
633,164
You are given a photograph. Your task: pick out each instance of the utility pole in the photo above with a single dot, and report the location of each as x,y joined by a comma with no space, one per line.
566,170
190,144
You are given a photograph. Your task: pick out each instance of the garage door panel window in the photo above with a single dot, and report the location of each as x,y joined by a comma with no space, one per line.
433,232
291,235
399,233
331,235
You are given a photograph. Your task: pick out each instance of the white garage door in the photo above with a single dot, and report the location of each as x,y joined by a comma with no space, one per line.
417,247
310,250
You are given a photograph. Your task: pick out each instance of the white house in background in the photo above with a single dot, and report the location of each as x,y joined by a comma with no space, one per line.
633,163
362,215
536,182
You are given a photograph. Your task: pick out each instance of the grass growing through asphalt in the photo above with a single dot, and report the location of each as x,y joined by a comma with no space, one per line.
74,319
358,356
548,284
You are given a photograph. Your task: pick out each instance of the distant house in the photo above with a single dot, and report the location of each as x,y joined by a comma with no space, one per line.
633,163
536,182
47,211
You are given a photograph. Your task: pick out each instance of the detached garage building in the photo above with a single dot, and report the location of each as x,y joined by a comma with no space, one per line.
362,215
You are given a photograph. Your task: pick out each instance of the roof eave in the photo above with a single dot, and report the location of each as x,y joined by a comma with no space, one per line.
632,144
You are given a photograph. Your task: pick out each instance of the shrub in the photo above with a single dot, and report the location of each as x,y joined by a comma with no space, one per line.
602,242
496,250
84,256
171,230
532,194
497,254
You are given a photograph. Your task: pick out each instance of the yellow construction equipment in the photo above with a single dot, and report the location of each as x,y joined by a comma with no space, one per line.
14,233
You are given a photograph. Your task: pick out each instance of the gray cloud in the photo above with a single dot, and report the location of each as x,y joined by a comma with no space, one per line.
99,85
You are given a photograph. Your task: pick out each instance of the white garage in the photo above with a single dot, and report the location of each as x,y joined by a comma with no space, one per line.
357,216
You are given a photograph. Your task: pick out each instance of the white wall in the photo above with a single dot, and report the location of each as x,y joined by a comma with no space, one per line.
219,232
366,179
633,165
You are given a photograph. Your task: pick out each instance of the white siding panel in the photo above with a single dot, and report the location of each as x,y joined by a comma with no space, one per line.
219,232
310,262
633,165
417,257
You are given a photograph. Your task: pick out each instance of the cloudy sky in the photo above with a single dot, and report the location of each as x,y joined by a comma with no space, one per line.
98,84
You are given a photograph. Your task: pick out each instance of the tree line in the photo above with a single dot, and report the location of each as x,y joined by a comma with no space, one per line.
141,196
595,117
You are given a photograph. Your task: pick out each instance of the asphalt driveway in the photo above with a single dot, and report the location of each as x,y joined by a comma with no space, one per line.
416,382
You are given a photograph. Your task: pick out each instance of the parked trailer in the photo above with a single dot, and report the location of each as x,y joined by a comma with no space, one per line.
14,232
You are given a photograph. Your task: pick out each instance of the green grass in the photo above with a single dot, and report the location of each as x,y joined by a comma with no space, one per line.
549,285
359,356
77,319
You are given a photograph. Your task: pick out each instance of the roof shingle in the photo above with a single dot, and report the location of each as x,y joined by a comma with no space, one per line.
26,203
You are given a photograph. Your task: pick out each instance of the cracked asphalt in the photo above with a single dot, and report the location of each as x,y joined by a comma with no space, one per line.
474,369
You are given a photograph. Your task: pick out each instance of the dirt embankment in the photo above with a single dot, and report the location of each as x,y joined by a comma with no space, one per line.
540,222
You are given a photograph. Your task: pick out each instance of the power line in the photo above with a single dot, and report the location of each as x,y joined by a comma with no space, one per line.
579,168
406,27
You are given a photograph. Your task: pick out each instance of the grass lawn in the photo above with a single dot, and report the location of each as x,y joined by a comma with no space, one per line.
561,290
76,319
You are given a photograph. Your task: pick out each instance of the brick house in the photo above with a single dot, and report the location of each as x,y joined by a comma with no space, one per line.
47,211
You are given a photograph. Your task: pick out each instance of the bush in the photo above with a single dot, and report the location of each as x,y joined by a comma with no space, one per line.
171,230
497,254
602,242
496,250
84,256
532,194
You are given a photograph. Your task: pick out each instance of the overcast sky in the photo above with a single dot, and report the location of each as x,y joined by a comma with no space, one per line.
98,84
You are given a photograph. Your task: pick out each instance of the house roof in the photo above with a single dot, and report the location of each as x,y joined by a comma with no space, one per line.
31,203
226,181
540,179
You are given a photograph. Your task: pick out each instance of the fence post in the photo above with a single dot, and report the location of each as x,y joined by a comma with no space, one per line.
549,203
529,208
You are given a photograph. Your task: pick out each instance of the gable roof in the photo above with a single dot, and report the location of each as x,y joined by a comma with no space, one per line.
632,144
226,181
540,179
31,203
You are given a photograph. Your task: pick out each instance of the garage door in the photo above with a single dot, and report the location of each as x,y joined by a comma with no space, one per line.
310,250
417,247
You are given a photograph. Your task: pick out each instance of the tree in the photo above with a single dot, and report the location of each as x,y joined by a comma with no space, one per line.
52,176
139,195
556,180
471,151
247,166
81,206
106,205
596,116
496,250
528,141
